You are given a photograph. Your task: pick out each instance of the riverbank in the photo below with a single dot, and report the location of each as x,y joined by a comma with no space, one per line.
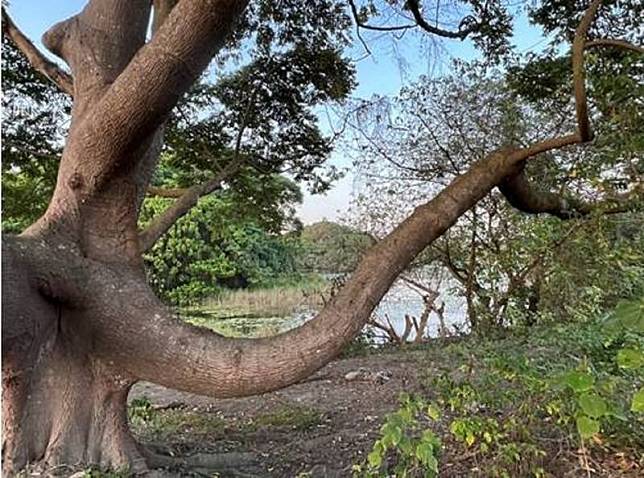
502,411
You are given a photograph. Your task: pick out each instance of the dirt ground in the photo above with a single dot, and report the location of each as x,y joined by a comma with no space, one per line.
317,428
322,426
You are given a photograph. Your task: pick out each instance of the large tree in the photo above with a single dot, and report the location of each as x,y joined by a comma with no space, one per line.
80,323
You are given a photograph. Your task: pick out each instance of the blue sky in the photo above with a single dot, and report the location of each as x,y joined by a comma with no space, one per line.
382,73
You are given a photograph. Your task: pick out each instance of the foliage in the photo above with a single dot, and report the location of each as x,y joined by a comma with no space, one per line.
329,247
508,393
33,122
406,447
260,109
212,247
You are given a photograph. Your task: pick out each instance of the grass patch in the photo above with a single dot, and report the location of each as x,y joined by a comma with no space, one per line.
293,417
194,425
280,301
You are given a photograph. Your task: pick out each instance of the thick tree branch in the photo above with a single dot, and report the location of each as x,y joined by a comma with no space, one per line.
614,43
517,188
579,71
125,90
162,9
525,197
97,44
36,58
186,200
153,81
528,197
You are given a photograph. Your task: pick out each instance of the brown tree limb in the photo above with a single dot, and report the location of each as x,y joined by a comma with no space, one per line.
414,8
579,71
125,90
36,58
366,26
184,203
161,10
527,197
614,43
153,81
188,358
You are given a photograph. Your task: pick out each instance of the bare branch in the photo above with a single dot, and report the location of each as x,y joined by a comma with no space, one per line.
420,21
529,198
36,58
361,24
414,7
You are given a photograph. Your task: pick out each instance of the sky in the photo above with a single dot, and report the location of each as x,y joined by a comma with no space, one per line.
391,66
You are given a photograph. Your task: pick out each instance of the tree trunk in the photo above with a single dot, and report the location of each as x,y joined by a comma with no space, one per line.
61,403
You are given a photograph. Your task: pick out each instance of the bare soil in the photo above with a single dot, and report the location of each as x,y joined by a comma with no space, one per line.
320,426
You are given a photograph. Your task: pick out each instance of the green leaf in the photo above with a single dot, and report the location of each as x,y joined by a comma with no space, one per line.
374,459
391,435
630,358
587,426
637,405
592,404
579,381
629,314
425,454
433,412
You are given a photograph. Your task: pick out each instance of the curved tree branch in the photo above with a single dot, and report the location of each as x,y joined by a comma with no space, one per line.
525,197
361,24
185,357
37,59
419,20
414,7
528,197
517,188
614,43
192,359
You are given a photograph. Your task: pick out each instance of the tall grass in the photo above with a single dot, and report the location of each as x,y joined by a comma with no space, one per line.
273,302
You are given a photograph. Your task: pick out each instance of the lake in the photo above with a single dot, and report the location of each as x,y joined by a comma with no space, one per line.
402,299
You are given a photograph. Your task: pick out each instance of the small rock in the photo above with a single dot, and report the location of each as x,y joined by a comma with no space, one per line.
355,375
361,374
